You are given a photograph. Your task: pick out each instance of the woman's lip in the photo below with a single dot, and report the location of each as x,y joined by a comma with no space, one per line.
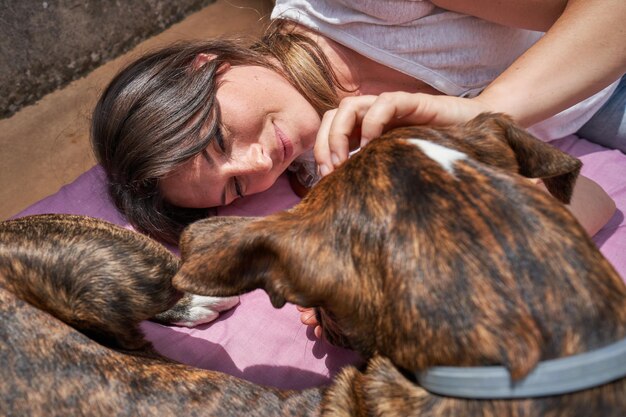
284,142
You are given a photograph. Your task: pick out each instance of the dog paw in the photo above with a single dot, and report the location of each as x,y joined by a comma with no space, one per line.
204,309
193,310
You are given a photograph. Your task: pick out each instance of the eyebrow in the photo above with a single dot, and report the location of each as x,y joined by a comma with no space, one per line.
212,163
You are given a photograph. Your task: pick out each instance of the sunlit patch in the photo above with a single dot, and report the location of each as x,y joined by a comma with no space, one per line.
445,157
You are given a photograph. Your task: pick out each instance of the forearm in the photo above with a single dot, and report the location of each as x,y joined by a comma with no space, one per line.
590,204
583,52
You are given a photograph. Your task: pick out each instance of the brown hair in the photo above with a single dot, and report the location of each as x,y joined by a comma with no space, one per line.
148,120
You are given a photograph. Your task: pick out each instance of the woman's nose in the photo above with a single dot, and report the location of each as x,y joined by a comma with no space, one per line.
255,161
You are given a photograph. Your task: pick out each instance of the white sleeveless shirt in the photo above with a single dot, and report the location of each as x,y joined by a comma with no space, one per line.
456,54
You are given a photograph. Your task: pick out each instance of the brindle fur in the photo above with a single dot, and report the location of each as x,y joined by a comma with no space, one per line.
421,267
63,273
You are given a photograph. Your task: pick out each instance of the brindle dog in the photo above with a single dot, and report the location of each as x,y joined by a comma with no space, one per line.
427,248
419,260
73,291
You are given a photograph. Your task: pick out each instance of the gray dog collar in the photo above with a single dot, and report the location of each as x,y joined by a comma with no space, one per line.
551,377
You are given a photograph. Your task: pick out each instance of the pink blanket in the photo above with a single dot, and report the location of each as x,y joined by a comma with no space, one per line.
256,342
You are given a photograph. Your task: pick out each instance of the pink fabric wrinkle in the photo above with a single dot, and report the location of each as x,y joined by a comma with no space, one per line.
243,343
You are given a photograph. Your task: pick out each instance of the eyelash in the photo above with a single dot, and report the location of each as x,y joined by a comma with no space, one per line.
219,138
237,188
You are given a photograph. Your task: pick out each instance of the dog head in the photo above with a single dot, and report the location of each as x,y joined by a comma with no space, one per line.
427,247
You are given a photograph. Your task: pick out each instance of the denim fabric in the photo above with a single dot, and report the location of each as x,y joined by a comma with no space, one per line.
608,126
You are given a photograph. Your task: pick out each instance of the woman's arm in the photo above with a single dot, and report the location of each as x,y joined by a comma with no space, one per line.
582,52
590,204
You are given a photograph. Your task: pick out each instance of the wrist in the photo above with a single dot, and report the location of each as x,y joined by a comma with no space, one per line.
498,100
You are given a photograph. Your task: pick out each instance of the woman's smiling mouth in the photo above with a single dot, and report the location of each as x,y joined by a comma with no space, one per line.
284,143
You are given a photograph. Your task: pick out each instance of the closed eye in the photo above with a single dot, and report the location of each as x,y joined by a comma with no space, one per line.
221,144
219,139
238,189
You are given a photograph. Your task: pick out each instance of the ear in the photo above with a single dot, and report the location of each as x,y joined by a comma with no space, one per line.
224,256
536,159
211,257
202,58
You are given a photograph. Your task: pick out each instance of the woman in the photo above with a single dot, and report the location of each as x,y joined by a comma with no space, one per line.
193,127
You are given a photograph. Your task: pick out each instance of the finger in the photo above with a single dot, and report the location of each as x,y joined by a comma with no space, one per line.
321,150
309,318
393,109
378,116
345,122
344,133
318,332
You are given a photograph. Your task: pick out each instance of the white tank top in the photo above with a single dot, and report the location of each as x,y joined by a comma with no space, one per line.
456,54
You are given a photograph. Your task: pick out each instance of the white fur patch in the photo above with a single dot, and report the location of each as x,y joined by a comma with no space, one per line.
446,157
205,309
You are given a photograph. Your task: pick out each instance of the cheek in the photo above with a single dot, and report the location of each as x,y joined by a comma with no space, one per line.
240,111
312,128
307,124
264,183
239,122
177,188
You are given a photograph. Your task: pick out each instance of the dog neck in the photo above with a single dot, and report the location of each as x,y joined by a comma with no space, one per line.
551,377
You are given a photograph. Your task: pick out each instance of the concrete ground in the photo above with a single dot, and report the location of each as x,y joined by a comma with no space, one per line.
46,145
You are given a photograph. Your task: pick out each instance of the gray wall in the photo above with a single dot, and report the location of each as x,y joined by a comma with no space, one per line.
46,44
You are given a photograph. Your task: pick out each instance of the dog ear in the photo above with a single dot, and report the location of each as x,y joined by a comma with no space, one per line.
536,159
211,257
224,256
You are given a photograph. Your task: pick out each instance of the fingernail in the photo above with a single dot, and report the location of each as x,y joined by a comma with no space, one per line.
335,159
364,141
318,332
324,170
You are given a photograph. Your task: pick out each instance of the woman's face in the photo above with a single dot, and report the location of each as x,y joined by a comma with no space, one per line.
265,125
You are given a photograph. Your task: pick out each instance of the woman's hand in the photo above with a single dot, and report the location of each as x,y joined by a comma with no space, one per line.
307,316
360,119
534,88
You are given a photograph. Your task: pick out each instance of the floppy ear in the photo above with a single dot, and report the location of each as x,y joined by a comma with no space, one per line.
536,159
224,256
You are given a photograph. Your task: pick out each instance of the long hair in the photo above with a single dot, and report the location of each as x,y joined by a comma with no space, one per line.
149,119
